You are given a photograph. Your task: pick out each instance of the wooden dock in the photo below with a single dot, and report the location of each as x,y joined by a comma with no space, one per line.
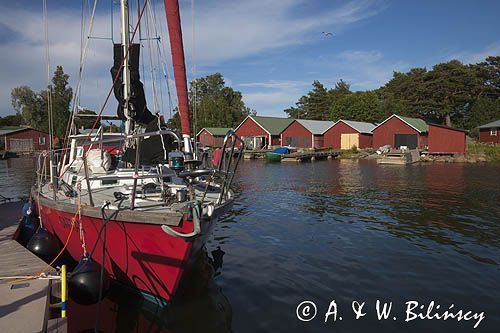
24,306
255,154
310,156
400,158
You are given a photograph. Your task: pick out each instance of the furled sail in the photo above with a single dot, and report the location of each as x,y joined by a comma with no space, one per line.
177,49
137,101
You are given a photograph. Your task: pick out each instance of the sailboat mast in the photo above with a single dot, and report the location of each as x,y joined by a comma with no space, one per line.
125,30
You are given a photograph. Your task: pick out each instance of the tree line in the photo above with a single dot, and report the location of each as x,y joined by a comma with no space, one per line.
452,93
213,104
216,105
31,107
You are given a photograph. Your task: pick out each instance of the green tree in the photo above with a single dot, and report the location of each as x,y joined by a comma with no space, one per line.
30,106
216,104
341,89
317,103
482,111
489,73
359,106
61,100
448,90
33,107
86,122
11,120
403,93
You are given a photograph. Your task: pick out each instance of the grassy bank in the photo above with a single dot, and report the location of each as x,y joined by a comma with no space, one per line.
491,152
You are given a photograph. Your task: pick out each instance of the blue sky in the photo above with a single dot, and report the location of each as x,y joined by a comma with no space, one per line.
269,50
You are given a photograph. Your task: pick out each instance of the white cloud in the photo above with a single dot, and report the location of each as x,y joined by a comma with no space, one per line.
361,56
271,97
225,30
473,57
275,84
362,69
234,29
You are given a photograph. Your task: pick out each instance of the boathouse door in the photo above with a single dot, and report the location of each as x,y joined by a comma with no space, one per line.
21,145
408,140
349,140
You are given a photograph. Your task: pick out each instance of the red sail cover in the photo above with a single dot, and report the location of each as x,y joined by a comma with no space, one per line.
177,48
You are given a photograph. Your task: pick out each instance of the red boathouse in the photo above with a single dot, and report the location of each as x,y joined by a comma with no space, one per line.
212,136
345,134
303,133
398,131
24,139
262,132
489,133
446,140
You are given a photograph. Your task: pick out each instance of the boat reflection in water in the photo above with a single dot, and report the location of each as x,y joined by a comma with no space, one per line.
199,306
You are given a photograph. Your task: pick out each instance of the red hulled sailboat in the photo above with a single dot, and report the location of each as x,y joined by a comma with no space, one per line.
144,211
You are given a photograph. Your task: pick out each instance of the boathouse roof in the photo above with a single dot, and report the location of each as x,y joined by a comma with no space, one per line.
316,127
418,124
492,124
272,125
360,126
4,130
215,131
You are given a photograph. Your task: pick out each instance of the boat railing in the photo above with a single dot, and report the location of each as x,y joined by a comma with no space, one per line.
224,172
226,167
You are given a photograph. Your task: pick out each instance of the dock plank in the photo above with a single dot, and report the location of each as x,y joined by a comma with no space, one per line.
24,309
23,305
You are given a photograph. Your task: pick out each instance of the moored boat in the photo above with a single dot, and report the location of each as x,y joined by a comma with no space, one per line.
277,154
144,208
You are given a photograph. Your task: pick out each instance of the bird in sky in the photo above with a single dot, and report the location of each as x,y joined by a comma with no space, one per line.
327,34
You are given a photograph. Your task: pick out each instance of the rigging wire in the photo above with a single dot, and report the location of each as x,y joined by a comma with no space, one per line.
83,56
49,90
151,61
114,81
193,70
165,67
158,59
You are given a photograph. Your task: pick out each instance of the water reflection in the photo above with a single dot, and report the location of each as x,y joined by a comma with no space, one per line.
199,306
340,230
16,176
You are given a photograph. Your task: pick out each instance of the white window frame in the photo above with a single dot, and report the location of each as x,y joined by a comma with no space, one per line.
41,140
493,131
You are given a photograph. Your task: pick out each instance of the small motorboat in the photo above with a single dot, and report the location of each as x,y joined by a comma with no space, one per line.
277,154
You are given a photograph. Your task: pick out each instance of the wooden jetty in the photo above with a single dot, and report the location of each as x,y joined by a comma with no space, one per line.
310,156
400,157
255,154
24,305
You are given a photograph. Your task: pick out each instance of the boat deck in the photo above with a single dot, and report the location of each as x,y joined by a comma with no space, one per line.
147,209
23,305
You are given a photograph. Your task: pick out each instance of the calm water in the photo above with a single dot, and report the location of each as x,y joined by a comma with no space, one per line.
333,230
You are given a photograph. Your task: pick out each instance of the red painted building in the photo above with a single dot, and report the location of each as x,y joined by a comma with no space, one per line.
489,133
398,131
212,136
345,134
446,140
305,133
24,139
262,132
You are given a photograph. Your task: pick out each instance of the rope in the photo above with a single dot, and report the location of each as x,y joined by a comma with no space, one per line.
49,266
82,231
98,310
